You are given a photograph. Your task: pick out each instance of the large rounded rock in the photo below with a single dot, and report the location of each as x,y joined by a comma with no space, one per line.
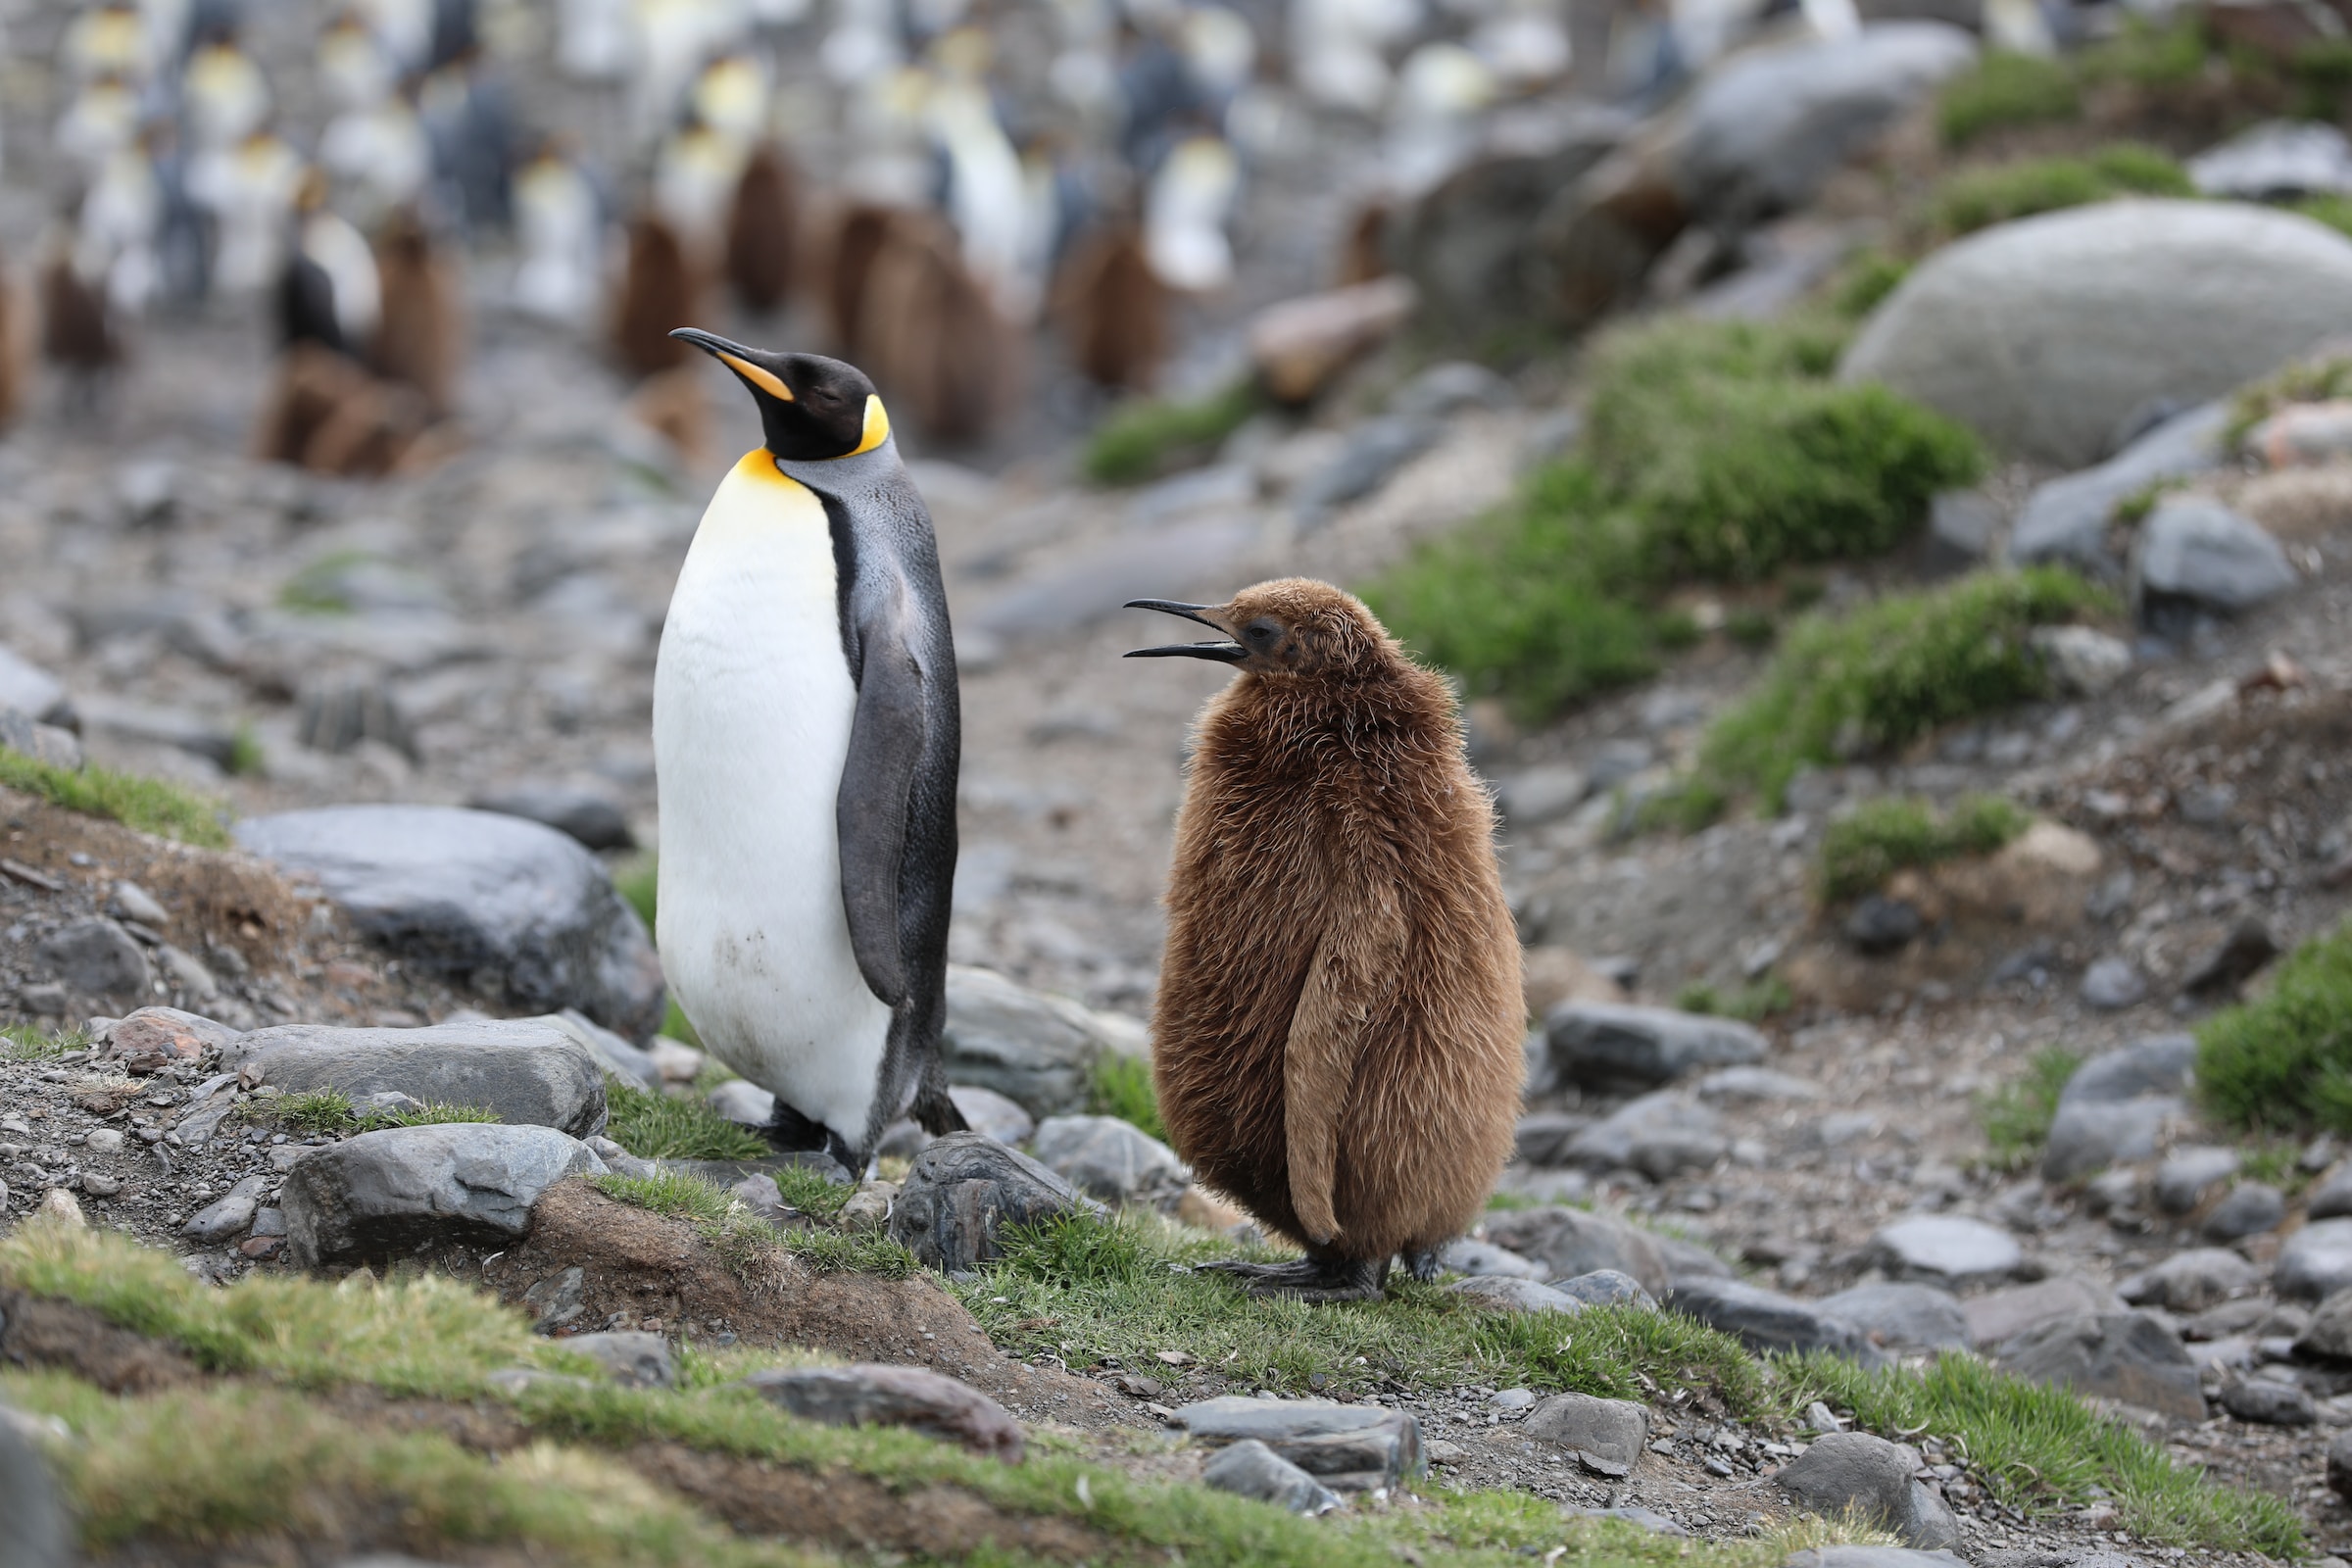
1115,1160
2314,1262
385,1194
1766,1320
1570,1241
1615,1044
2129,1357
1856,1473
1917,1317
1946,1247
530,1071
2194,549
510,907
2048,334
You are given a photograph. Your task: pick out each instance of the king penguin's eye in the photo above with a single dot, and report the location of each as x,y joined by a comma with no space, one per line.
1262,634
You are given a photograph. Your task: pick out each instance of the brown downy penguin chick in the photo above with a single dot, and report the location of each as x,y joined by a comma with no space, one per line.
763,231
419,339
1115,311
933,340
857,239
1337,1037
656,292
77,329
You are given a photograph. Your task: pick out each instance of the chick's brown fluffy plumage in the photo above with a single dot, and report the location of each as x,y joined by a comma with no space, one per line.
1336,1036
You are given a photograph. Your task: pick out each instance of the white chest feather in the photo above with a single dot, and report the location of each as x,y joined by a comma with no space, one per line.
752,709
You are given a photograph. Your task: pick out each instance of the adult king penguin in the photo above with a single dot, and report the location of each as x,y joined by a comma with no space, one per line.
806,746
1336,1042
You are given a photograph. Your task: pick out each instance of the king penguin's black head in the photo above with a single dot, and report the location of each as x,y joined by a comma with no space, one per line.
811,408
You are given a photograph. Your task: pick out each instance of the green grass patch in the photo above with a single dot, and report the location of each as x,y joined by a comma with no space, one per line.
1146,438
148,804
1863,286
21,1041
2002,91
323,1113
1979,198
1889,672
2150,56
1752,1002
1862,848
2333,211
657,1126
2017,1115
1714,450
639,883
2285,1060
1121,1087
744,1241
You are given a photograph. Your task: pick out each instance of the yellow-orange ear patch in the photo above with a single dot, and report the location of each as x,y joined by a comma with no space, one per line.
877,426
766,381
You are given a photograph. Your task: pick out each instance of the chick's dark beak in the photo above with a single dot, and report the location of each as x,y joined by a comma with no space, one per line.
1223,652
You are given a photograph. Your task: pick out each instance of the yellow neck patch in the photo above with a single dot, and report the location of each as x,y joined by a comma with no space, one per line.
877,426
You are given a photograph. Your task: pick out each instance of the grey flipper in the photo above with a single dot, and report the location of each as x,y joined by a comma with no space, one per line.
886,748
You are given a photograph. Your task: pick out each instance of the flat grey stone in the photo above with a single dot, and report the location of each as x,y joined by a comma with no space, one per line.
2082,661
585,815
2331,1196
912,1397
987,1111
1543,793
2266,1401
1480,1259
616,1056
532,1071
2112,984
1369,454
2314,1262
97,958
38,1534
1505,1292
516,909
2195,549
33,691
43,743
1870,1557
1998,1316
1648,1519
963,1188
1115,1160
1912,1317
2152,1066
227,1216
1659,1135
2276,161
1570,1241
2192,1281
1543,1136
1605,1287
1081,588
629,1357
1036,1049
1350,1448
1607,1044
1251,1469
2251,1208
1855,1472
2089,1136
2188,1174
557,1300
1688,1260
1949,1247
2329,1334
2067,519
2126,1356
384,1194
2047,334
1765,1320
1452,386
1609,1431
1753,1085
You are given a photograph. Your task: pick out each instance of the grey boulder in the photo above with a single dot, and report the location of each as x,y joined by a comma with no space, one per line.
911,1397
2192,1281
1606,1435
532,1071
2115,1108
1911,1317
1855,1472
33,691
2270,1403
2126,1356
36,1533
2067,519
2314,1262
630,1357
1505,1292
2250,1209
1036,1049
1349,1448
963,1189
1605,1287
1607,1044
1949,1247
2329,1335
510,907
2276,161
384,1194
2331,1196
1766,1320
1570,1241
581,815
1112,1160
96,957
2188,1174
2047,334
1478,1259
2112,984
1659,1135
1999,1316
2194,550
1251,1469
2154,1065
987,1111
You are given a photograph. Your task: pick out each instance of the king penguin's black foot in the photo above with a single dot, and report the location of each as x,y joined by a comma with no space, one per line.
1423,1265
789,1132
1316,1281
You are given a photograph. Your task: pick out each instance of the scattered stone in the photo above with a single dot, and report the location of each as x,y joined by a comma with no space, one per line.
229,1215
2115,1108
383,1194
513,906
2047,334
1349,1448
97,958
2276,161
2112,984
1999,1316
1855,1472
2269,1402
961,1189
154,1038
1878,925
2192,1281
1765,1320
993,1114
1688,1260
1115,1160
1542,794
629,1357
2331,1196
36,1536
2082,661
1482,1260
871,1395
1600,1045
2195,550
1251,1469
2250,1209
2314,1262
1505,1292
582,814
1743,1085
1605,1434
1606,1286
1036,1049
1648,1519
43,743
1912,1317
2128,1356
1945,1246
2339,1466
2237,959
1569,1242
1659,1135
2184,1179
2328,1335
532,1071
557,1300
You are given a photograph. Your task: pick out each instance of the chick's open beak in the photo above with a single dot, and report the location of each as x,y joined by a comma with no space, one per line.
1223,652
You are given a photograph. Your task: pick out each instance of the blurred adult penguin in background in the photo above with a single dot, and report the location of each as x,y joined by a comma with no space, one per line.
248,191
558,227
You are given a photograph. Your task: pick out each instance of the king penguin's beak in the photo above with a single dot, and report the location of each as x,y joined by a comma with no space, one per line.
1223,652
735,357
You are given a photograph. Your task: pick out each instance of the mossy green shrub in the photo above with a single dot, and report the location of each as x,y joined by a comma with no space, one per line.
2285,1059
1885,674
1862,848
1979,198
148,804
1149,437
2005,89
1713,450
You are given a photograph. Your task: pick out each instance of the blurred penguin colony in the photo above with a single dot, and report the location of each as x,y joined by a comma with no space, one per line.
929,185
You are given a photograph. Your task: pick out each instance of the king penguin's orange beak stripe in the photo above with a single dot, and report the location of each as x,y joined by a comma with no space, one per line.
766,381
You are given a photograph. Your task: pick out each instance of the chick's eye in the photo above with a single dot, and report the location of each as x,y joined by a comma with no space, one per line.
1262,634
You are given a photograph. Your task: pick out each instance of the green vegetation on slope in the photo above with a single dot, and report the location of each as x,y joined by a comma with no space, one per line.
1715,450
2285,1060
2004,89
1886,673
1979,198
1147,437
2017,1115
1122,1088
657,1126
323,1111
1862,848
148,804
21,1041
2313,380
